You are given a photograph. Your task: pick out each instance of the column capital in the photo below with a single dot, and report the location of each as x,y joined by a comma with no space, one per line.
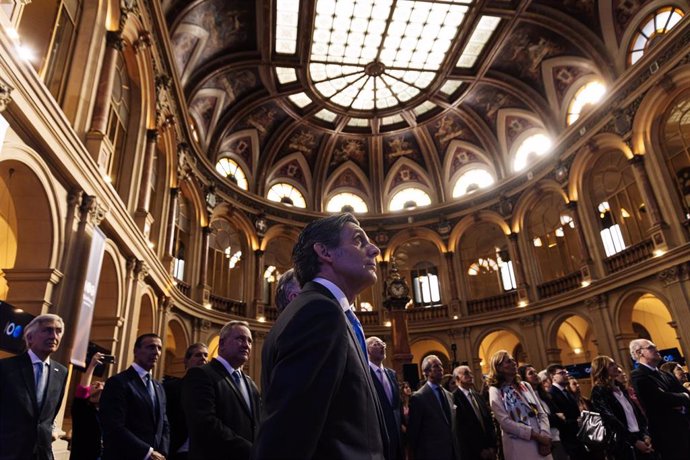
258,253
207,230
91,210
597,302
530,321
114,40
144,41
637,159
5,95
673,274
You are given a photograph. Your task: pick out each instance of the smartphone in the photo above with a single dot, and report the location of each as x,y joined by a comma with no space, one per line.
108,359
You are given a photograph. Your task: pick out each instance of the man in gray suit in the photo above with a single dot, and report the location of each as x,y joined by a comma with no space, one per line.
318,395
31,390
431,431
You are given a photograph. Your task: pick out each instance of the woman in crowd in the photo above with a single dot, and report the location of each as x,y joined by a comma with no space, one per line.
619,414
405,393
676,370
523,421
529,374
574,389
86,429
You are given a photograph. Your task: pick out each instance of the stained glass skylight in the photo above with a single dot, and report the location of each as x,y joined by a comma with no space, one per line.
287,19
301,100
409,198
286,74
471,181
343,201
230,169
287,195
588,95
376,54
659,23
481,35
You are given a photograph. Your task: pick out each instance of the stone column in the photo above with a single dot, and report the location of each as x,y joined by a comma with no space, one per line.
533,340
258,307
602,326
137,271
164,309
659,229
143,216
170,228
99,118
676,283
514,250
454,304
204,290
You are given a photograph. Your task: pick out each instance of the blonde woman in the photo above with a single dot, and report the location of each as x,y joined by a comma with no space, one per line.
525,425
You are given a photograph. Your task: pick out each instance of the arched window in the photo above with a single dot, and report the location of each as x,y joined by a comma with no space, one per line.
231,170
347,202
535,145
675,138
585,97
224,261
118,117
286,194
551,230
486,261
425,285
621,212
182,235
48,31
408,199
471,181
651,29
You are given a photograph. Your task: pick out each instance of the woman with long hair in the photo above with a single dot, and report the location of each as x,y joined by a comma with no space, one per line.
523,422
530,375
619,414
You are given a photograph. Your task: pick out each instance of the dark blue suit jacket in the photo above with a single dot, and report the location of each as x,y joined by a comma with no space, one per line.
318,395
130,422
391,412
26,430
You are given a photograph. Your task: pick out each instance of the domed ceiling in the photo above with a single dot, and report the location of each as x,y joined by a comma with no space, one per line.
372,97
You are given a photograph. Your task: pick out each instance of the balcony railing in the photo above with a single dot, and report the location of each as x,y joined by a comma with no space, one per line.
234,307
630,256
271,313
560,285
428,313
368,318
494,303
184,288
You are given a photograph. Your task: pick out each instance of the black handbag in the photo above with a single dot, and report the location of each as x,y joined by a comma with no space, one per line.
592,432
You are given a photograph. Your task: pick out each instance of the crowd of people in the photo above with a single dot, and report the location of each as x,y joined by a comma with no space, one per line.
326,393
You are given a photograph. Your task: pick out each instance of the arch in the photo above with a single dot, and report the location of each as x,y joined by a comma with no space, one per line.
147,315
390,190
548,66
305,188
508,146
239,220
108,311
176,343
528,199
493,339
468,221
623,310
576,328
424,346
43,197
193,195
621,58
331,190
408,234
228,147
586,157
280,230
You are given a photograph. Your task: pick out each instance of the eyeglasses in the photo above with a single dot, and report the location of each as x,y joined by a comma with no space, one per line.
562,372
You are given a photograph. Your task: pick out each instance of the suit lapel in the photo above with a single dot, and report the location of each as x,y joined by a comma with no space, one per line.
30,381
223,372
139,388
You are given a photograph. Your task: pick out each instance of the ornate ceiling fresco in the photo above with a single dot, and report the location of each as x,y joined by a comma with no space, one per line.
427,90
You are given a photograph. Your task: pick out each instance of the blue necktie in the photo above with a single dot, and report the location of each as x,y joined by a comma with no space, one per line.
243,390
359,332
41,382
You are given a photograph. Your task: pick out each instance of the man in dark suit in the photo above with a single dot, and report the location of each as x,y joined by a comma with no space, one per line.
431,431
665,401
31,390
474,427
318,395
386,385
196,355
566,405
132,408
221,403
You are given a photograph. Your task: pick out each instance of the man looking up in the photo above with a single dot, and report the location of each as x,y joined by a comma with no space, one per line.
319,398
386,385
474,426
665,402
132,411
31,390
221,402
287,290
